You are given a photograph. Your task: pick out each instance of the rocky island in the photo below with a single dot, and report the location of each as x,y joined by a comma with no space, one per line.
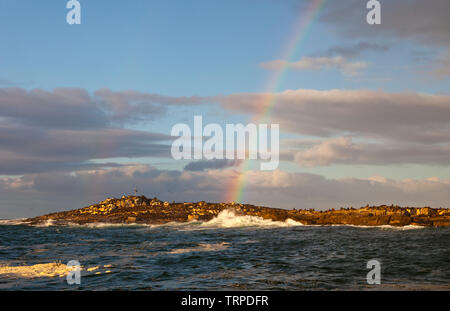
143,210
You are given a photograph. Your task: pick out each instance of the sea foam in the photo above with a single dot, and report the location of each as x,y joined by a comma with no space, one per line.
229,219
13,222
201,247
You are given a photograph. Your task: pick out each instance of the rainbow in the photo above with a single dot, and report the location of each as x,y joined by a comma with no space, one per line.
237,186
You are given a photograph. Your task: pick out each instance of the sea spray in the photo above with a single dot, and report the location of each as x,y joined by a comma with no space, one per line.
229,219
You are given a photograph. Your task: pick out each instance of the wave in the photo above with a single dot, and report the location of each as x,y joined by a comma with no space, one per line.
47,223
13,222
53,269
225,219
229,219
202,247
407,227
55,223
105,225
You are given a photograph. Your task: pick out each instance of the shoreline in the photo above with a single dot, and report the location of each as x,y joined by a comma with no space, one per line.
142,210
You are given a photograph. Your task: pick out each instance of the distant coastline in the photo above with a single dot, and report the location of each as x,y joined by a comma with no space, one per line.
143,210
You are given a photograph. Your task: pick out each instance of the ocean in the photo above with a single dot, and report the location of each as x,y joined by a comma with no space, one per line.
226,253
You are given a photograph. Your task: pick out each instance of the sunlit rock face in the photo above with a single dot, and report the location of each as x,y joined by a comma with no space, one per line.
140,209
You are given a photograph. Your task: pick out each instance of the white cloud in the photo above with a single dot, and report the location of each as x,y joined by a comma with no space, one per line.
330,151
346,67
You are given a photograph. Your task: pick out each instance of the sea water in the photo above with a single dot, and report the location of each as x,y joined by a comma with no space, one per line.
229,252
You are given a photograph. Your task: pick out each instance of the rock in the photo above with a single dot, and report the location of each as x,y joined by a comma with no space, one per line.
192,217
129,209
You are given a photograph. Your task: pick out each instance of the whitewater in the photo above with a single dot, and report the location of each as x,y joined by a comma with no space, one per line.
228,252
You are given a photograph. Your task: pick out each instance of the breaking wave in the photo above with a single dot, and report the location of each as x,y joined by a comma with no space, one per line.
13,222
225,219
229,219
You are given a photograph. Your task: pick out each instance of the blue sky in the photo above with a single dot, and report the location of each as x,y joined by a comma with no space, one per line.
177,48
216,51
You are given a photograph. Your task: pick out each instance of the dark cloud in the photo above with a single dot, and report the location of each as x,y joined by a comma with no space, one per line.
71,108
412,126
68,129
62,108
27,150
396,117
344,151
426,22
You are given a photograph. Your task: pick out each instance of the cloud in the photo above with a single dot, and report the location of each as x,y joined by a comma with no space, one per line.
340,63
27,149
396,117
135,106
62,191
72,108
68,129
405,21
425,22
62,108
330,151
203,165
441,65
5,82
354,50
343,151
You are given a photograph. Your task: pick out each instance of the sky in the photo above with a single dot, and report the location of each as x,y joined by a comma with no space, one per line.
86,110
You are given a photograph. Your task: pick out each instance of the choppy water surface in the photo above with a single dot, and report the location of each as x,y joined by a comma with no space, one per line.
229,252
